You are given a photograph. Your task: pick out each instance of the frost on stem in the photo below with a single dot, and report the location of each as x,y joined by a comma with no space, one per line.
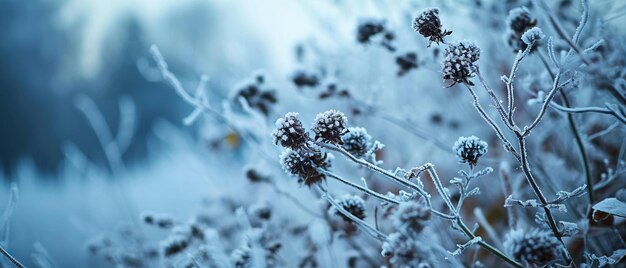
304,165
289,132
411,217
518,21
329,126
469,149
533,247
428,24
351,203
459,63
403,251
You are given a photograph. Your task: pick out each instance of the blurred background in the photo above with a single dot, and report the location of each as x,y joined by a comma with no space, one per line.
60,58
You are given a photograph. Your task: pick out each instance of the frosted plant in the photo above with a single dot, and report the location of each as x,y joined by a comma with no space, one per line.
370,29
459,63
411,218
428,24
406,62
305,165
532,247
469,149
289,132
303,79
351,203
357,141
329,126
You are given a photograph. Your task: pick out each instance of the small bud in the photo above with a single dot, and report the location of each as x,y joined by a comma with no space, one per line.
532,36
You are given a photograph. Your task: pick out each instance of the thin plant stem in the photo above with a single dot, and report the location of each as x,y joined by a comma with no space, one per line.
359,187
13,260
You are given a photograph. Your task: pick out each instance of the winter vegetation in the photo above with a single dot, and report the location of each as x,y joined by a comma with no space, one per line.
404,134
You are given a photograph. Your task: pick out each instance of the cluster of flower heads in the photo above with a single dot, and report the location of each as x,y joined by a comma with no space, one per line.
257,94
300,159
368,29
534,247
469,149
428,24
411,217
459,63
404,251
518,22
351,203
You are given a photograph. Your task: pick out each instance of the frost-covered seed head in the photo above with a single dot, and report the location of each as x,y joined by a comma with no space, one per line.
289,132
351,203
459,63
304,165
469,149
534,247
411,218
520,19
403,251
533,35
329,126
428,24
357,141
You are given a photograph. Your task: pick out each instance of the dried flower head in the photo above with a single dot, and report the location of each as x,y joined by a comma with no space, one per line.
351,203
403,251
459,63
368,28
289,132
469,149
304,165
520,19
357,141
428,24
532,36
411,217
329,126
534,247
406,63
303,79
256,93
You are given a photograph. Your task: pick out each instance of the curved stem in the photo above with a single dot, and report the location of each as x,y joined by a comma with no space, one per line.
361,188
487,246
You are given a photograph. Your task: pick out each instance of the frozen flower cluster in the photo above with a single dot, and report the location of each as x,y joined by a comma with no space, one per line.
469,149
351,203
459,63
518,22
532,247
428,24
329,126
